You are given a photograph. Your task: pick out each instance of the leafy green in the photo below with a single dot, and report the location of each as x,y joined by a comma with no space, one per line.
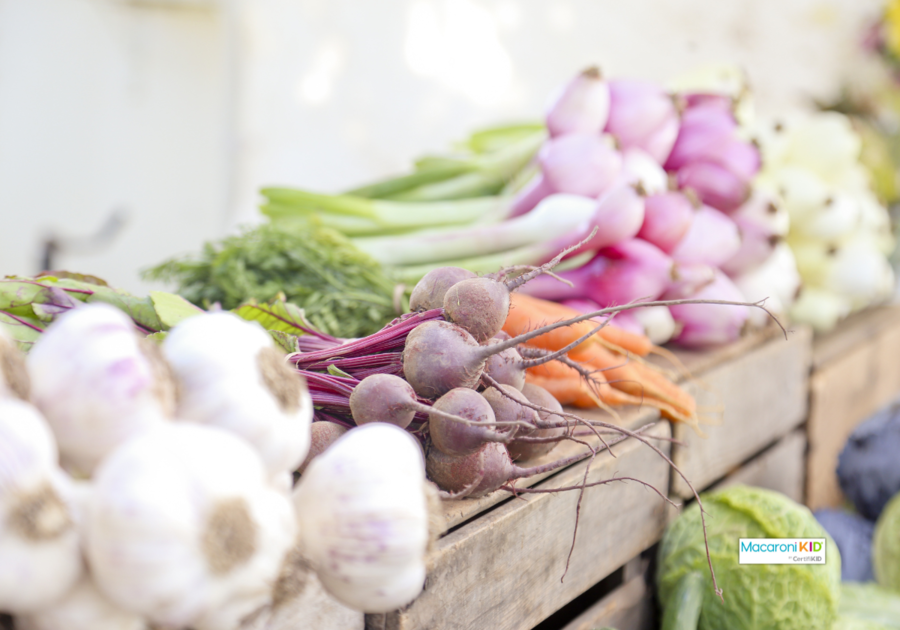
757,597
886,546
868,603
341,290
277,314
172,309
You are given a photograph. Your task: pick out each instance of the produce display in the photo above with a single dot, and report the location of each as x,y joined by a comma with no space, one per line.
275,445
148,481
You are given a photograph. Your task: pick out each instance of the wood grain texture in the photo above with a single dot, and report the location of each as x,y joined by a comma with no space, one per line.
861,375
629,607
758,396
502,571
781,467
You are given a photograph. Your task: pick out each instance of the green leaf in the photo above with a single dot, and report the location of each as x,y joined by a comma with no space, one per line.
157,337
20,329
172,309
70,275
275,315
336,371
285,341
140,310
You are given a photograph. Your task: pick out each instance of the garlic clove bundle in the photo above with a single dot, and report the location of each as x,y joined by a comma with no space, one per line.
40,557
14,379
82,608
232,376
364,517
97,383
184,528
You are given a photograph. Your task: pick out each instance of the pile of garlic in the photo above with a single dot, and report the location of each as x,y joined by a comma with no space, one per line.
840,234
150,486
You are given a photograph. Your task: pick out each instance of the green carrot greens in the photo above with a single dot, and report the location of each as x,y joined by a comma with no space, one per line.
343,291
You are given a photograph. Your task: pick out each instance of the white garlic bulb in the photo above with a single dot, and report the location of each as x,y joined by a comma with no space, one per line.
14,379
40,557
184,528
97,383
82,608
364,518
232,376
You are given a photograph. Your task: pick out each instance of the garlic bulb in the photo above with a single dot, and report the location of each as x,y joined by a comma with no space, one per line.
40,557
97,383
14,379
363,513
184,528
82,608
232,376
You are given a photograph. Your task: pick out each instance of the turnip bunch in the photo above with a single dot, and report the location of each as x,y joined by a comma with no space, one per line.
839,233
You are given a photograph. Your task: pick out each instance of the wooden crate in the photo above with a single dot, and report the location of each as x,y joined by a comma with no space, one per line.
758,389
630,606
503,569
855,371
781,467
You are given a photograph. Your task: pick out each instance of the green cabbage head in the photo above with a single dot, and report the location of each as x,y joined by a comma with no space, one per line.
757,597
886,546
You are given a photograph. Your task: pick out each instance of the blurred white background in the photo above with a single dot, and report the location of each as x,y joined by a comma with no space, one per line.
177,111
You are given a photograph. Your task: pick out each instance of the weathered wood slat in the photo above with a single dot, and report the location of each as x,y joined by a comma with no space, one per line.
629,606
762,395
858,372
781,467
503,570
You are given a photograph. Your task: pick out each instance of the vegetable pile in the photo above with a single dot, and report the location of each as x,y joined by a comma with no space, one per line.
666,179
147,483
341,290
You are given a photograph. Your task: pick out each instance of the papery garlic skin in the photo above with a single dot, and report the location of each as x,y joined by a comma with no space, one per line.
14,379
40,558
96,385
363,517
82,608
232,376
184,528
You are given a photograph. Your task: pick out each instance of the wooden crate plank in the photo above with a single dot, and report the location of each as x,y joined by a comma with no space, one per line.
846,390
857,330
460,511
762,394
628,607
502,571
781,467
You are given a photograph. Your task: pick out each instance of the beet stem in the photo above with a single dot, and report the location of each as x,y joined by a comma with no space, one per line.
487,351
527,363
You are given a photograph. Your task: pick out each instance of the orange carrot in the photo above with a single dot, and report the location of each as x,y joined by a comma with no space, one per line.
635,378
527,313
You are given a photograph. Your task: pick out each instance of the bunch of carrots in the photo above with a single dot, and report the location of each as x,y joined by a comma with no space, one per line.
607,370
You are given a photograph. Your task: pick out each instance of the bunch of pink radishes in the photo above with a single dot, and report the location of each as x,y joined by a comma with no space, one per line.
678,214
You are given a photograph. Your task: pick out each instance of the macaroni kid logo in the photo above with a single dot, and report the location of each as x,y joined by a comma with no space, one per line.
782,551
